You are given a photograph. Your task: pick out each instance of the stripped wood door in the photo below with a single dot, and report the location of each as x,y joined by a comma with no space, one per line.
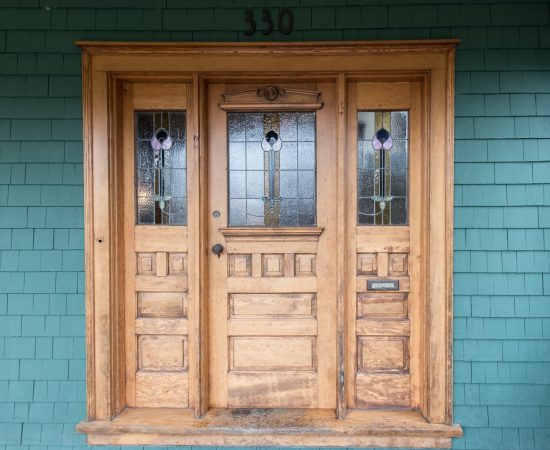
385,271
155,244
272,299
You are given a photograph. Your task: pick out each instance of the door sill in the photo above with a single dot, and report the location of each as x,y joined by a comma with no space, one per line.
270,427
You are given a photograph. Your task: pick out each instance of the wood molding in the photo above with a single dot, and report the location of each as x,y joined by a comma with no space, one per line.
242,233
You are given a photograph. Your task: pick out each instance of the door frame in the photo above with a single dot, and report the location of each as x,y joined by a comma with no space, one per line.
107,65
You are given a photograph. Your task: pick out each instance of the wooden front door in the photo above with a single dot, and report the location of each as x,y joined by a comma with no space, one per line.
271,206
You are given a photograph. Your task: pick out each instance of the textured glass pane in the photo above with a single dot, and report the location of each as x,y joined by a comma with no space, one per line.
399,168
289,184
382,167
399,211
306,155
306,184
146,210
399,124
254,184
236,124
254,156
237,211
289,156
237,156
161,155
237,184
289,212
271,166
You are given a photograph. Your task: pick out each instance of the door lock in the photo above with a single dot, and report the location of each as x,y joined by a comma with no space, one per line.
217,249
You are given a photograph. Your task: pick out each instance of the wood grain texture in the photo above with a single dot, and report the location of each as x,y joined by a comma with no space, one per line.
272,353
272,389
272,305
162,389
381,305
383,354
383,389
161,304
162,353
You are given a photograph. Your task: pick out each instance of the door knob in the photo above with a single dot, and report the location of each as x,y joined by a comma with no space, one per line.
217,249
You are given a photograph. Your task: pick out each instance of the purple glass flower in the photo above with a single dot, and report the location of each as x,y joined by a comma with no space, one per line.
382,140
161,140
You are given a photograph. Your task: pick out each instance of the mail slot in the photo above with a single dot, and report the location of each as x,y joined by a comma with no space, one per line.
383,285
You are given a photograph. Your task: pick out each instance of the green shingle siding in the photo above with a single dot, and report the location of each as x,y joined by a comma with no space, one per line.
502,196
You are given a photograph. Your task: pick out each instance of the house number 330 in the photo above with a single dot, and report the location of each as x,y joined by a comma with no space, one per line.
285,21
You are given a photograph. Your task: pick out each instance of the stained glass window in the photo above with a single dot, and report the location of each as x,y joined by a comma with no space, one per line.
272,169
382,144
161,185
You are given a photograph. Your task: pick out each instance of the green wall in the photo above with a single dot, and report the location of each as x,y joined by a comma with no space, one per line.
502,214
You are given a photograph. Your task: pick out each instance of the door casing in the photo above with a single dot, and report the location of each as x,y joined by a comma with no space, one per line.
107,66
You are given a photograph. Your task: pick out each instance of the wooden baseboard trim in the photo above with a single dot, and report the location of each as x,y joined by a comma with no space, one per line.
277,427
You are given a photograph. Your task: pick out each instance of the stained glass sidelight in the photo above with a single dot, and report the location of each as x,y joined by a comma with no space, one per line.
382,144
161,185
272,169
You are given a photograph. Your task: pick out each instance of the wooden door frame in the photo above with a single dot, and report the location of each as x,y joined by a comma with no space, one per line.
106,65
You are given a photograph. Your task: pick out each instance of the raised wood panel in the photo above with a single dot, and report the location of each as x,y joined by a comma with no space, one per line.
272,353
304,265
146,264
162,389
240,265
380,239
161,304
382,354
280,285
177,263
272,390
398,264
152,283
382,389
272,327
272,305
165,238
162,353
367,264
273,265
381,305
161,326
366,327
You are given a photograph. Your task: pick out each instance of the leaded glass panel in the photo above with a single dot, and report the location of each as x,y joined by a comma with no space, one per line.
272,169
161,185
382,159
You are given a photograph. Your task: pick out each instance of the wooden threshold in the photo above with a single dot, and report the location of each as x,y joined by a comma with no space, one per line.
264,427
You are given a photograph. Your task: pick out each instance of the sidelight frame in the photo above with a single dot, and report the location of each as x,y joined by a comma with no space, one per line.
106,66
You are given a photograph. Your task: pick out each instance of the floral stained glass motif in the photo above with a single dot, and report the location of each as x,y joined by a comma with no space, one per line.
382,175
271,169
161,155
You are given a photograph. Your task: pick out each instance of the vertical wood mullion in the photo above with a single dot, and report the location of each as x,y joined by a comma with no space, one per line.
341,215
